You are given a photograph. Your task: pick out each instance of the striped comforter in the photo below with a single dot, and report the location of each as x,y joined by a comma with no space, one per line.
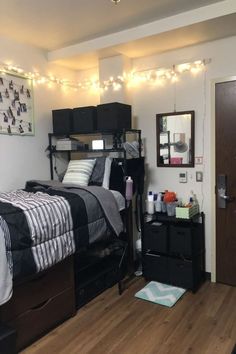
44,227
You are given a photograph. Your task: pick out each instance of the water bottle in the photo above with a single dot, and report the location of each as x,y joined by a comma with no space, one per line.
129,189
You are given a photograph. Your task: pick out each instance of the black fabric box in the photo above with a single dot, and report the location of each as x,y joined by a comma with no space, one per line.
84,119
62,121
155,238
180,240
113,116
181,273
7,340
156,267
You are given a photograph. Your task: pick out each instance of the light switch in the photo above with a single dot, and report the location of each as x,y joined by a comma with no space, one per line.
183,177
199,176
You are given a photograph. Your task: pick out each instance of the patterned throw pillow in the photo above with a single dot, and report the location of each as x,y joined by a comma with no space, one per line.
79,172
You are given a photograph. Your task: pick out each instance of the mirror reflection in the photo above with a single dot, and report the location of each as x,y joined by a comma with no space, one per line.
175,139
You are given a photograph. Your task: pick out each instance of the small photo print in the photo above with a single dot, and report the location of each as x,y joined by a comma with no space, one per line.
11,85
16,95
28,93
7,94
5,118
21,130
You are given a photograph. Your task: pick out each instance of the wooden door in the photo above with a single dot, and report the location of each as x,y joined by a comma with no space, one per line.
226,174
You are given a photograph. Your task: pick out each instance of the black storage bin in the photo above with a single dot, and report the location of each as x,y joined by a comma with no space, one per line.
181,273
62,121
156,267
155,237
84,119
7,340
180,240
113,116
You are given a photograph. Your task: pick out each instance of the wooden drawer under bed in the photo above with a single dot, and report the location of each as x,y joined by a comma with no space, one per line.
41,303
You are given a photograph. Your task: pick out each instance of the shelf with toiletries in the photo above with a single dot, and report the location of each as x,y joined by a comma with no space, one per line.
167,202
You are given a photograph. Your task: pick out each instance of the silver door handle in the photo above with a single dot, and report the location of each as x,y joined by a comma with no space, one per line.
227,198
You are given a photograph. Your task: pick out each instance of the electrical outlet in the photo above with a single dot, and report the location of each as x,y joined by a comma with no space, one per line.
199,160
199,176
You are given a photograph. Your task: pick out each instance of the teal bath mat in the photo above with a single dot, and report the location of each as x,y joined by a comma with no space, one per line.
159,293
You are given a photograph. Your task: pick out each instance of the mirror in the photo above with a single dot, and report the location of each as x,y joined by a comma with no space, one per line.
175,139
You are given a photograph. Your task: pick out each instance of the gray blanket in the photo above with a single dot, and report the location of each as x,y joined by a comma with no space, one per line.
104,197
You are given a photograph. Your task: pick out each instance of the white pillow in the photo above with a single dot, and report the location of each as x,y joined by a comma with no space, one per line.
79,172
107,172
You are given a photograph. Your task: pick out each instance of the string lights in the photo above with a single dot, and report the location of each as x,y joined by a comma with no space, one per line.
134,78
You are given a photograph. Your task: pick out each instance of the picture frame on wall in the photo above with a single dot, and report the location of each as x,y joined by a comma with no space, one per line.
16,104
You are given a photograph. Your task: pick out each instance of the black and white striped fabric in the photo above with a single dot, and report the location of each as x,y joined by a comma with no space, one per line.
5,263
7,240
49,223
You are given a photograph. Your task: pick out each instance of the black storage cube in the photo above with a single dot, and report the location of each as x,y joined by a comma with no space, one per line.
113,116
181,273
84,119
62,121
155,238
180,240
156,267
7,340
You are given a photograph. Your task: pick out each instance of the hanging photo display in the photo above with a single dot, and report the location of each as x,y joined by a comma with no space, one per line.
16,104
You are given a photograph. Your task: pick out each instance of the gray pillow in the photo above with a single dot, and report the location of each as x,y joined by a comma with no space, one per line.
97,175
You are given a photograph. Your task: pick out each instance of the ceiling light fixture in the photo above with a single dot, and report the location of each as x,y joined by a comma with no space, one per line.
115,1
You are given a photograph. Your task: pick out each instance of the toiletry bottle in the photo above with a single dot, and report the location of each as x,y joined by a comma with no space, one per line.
150,203
150,196
163,205
158,203
129,189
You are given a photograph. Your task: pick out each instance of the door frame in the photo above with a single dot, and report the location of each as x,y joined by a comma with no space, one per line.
213,173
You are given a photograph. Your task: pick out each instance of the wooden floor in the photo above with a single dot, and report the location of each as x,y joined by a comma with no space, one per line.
200,323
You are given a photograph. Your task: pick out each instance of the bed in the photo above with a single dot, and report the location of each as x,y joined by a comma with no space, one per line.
64,243
47,229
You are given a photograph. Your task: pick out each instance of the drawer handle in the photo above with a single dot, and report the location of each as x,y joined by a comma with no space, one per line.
41,305
153,255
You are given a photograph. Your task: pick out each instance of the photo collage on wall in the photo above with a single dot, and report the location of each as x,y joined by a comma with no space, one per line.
16,105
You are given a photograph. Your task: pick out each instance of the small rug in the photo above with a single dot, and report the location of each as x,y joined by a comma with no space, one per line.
159,293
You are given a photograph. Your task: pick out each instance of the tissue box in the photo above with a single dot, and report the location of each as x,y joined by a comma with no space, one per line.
186,213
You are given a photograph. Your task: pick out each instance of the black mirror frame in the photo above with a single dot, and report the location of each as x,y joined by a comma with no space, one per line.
158,131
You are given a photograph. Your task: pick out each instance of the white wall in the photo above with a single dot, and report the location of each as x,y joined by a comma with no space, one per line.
88,97
192,93
24,157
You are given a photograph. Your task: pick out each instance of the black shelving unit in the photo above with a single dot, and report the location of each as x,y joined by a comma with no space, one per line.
122,134
93,273
174,250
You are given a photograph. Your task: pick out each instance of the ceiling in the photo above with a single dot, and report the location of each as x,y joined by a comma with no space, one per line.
55,25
